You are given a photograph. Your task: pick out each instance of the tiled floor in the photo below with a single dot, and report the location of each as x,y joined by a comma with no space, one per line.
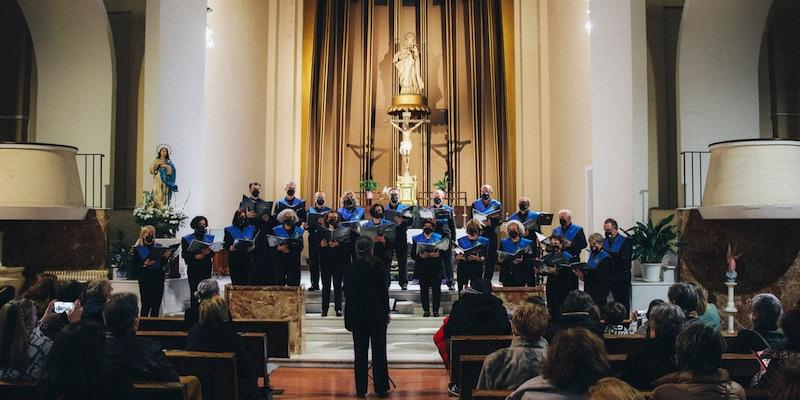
338,383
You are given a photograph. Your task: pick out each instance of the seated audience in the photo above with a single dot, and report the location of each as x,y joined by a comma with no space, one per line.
575,361
684,296
508,368
7,293
94,299
613,389
614,314
791,351
577,310
23,349
786,385
478,312
214,333
536,299
141,358
765,312
206,289
710,315
657,357
642,329
52,322
699,350
42,292
78,369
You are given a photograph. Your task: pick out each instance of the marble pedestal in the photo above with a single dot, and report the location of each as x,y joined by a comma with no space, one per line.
513,297
176,293
271,302
642,293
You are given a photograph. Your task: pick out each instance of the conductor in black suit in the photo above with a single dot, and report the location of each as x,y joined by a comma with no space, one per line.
366,314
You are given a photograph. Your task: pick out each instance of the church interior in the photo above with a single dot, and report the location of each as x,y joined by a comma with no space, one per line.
555,159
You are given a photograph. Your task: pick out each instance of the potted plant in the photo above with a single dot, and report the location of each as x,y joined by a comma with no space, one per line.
367,186
650,244
442,184
120,256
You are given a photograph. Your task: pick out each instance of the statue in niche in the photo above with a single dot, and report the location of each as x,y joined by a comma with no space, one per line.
163,171
407,63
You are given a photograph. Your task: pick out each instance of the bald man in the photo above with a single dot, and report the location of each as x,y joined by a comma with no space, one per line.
574,238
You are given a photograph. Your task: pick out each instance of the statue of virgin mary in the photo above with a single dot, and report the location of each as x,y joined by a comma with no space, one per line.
163,171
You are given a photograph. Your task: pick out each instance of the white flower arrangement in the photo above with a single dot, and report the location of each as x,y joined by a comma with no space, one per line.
166,220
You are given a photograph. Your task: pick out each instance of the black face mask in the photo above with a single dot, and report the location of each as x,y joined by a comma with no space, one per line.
472,232
555,249
320,201
149,238
513,234
200,230
485,196
288,222
290,192
437,201
378,214
562,221
608,234
349,203
241,222
255,193
523,206
427,230
333,222
393,199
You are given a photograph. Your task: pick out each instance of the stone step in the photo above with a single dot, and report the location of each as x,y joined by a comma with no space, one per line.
340,355
393,335
399,321
408,301
402,307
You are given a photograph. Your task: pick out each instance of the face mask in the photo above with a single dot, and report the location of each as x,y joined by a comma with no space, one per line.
608,234
393,199
332,222
513,234
148,238
320,201
200,230
241,221
427,229
485,196
437,201
523,206
349,203
289,221
472,232
378,214
255,193
562,221
290,192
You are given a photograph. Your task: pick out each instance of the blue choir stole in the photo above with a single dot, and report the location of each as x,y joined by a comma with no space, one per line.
493,205
281,232
247,233
356,215
143,251
507,245
400,207
295,204
435,237
567,256
370,224
466,243
596,258
614,247
440,215
191,237
530,215
569,234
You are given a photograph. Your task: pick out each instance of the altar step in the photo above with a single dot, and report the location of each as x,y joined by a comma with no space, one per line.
408,301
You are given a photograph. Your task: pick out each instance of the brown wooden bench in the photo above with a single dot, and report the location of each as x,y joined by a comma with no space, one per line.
254,345
741,367
626,344
216,371
491,394
473,345
143,390
470,365
277,330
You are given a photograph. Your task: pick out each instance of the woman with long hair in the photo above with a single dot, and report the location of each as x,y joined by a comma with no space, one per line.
150,271
23,348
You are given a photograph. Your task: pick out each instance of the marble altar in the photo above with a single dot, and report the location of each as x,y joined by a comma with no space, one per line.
514,296
271,302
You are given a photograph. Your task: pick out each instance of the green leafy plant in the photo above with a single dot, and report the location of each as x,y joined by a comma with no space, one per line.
442,184
120,252
368,185
652,242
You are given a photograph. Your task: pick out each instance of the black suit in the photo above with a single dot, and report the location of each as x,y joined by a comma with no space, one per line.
141,358
366,314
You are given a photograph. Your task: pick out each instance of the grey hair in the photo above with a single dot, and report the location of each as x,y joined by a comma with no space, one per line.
290,182
767,310
565,211
488,187
439,192
667,319
206,289
518,224
287,212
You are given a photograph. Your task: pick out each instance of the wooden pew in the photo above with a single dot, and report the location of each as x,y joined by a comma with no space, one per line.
143,390
741,367
491,394
473,345
470,365
255,344
277,330
626,344
216,371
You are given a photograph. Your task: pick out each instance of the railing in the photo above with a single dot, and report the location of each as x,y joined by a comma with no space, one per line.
90,169
695,165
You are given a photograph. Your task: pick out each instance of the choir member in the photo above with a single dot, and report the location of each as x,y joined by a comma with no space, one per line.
315,214
486,205
400,247
258,213
574,238
560,281
597,277
151,276
428,267
382,248
470,266
525,215
287,255
334,257
445,226
291,202
241,256
518,269
198,264
621,250
350,211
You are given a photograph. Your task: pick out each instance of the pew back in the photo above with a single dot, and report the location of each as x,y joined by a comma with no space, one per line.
216,371
472,345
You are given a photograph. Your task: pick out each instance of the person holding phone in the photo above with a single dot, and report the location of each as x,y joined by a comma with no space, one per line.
151,271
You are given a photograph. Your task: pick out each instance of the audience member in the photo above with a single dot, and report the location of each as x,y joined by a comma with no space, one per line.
478,312
699,350
790,352
786,385
575,361
141,358
78,368
52,322
94,299
614,315
657,357
642,329
42,292
214,333
765,312
536,299
613,389
710,315
206,289
508,368
684,296
577,310
23,349
7,293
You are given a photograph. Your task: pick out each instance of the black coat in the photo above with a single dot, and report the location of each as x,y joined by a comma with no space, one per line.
573,320
654,360
141,358
222,338
366,293
478,314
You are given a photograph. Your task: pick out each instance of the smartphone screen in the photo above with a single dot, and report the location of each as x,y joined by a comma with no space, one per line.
63,306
